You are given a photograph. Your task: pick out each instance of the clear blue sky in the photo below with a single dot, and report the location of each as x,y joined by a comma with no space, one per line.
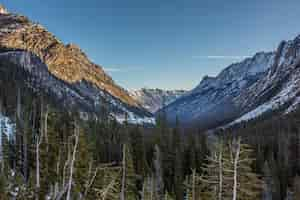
165,43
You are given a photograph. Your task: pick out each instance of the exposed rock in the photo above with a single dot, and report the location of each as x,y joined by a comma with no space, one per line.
67,62
3,10
68,73
155,99
245,90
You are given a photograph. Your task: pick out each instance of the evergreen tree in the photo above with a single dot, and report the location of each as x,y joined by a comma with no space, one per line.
138,152
296,188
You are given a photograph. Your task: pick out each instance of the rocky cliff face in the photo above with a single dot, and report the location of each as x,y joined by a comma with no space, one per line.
66,64
3,10
244,90
155,99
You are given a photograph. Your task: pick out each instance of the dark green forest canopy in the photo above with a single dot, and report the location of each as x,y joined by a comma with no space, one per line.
133,161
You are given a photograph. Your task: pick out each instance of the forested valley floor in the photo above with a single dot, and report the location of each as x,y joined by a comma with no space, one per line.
47,152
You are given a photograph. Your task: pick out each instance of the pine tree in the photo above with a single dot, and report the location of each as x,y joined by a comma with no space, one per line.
3,187
158,174
178,177
296,188
138,152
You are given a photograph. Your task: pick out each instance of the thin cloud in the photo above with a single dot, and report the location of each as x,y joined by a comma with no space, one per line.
115,69
222,57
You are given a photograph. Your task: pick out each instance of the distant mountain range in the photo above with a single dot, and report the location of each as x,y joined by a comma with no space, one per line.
64,70
155,99
266,82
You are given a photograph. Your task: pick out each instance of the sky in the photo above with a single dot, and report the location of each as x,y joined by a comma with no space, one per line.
168,44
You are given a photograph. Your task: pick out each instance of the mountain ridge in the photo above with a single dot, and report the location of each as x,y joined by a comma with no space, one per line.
68,63
241,88
154,99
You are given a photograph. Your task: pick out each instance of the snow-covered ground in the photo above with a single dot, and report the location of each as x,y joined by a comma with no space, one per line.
7,127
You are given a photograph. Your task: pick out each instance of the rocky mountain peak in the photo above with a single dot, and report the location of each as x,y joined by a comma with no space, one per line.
3,10
66,65
155,99
67,62
267,81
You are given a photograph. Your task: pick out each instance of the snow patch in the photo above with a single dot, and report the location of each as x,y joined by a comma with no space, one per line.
133,119
286,94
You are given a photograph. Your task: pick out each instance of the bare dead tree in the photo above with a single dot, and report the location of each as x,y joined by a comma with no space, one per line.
220,171
237,149
76,135
90,180
122,193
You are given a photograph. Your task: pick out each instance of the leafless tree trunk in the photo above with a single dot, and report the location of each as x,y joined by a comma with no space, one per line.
25,155
72,162
194,185
237,148
46,127
58,194
19,103
122,194
220,171
37,154
151,188
66,165
144,189
61,193
91,179
39,139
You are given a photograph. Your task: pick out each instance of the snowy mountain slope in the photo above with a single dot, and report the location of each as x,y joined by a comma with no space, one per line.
81,96
155,99
85,83
243,90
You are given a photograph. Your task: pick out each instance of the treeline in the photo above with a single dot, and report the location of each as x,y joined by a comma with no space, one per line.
49,153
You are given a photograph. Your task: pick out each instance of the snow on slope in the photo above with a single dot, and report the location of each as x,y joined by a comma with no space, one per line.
67,69
80,96
288,67
213,99
155,99
244,90
7,127
288,93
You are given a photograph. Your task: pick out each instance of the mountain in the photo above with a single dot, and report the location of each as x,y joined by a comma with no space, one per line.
155,99
65,70
266,82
